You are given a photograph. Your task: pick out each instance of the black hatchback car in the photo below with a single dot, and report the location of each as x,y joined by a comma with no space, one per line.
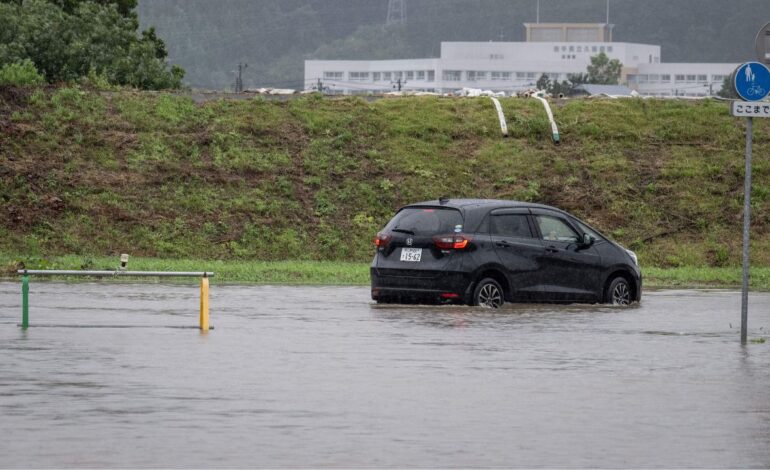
487,252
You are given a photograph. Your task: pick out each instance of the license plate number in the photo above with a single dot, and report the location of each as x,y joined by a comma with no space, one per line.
411,254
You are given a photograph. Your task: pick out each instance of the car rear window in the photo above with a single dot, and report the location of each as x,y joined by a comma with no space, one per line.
426,221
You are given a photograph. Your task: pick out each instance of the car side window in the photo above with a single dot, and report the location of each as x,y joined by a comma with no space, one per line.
510,225
587,229
554,229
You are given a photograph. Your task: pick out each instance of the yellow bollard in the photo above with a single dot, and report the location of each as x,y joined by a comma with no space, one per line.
204,304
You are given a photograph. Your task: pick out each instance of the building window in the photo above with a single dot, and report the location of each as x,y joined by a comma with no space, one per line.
452,75
358,76
631,78
556,48
691,79
564,48
333,75
580,48
679,78
594,49
496,56
665,78
476,75
641,79
431,75
572,48
654,78
521,76
386,76
601,48
531,75
703,78
376,76
506,76
410,75
609,48
421,75
398,75
717,78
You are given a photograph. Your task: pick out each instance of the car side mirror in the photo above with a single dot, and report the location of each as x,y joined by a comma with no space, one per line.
588,240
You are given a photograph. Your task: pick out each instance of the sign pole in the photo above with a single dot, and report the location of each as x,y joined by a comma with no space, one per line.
746,226
752,83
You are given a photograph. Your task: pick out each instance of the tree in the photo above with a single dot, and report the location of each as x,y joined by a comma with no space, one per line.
70,39
604,71
728,89
543,83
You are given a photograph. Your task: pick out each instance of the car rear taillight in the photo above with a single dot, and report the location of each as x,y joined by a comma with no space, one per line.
382,240
456,241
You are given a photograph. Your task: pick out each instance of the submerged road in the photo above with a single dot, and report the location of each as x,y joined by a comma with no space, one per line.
108,375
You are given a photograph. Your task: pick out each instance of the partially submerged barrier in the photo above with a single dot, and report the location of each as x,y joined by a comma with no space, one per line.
204,275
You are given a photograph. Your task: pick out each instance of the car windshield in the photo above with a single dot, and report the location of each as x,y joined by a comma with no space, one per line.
426,221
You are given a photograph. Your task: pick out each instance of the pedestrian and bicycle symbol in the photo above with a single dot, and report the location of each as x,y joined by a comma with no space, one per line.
752,81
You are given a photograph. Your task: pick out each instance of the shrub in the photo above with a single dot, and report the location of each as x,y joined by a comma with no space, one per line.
20,74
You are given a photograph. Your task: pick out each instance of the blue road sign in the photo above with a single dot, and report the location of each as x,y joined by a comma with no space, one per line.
752,81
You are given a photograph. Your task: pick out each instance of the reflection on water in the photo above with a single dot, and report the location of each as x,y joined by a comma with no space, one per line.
319,376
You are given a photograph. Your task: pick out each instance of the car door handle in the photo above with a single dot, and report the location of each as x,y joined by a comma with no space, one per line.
551,249
504,244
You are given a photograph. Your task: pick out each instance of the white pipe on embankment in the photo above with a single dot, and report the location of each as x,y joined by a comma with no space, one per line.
500,116
554,129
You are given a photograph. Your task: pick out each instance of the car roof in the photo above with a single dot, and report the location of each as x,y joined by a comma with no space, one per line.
487,203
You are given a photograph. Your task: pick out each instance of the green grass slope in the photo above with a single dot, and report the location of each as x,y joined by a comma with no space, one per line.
314,178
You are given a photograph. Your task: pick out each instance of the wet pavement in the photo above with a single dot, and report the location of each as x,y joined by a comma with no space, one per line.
110,375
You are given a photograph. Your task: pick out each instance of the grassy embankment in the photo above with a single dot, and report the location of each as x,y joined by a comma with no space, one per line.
351,273
242,184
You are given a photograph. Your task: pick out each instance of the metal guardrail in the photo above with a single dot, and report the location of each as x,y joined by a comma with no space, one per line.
204,275
61,272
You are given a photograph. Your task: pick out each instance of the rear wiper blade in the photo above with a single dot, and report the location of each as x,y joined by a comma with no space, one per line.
403,230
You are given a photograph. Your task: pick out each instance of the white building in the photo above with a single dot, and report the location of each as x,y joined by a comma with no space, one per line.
554,49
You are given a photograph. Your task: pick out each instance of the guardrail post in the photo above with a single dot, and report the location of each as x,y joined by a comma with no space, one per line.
25,301
204,319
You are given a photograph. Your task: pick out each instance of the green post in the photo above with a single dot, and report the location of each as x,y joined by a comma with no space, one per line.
25,301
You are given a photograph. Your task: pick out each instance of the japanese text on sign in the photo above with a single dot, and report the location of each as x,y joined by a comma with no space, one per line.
745,109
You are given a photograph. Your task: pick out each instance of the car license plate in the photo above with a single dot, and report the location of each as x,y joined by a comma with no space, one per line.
411,254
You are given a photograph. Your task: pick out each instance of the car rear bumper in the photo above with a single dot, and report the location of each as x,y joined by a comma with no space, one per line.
445,287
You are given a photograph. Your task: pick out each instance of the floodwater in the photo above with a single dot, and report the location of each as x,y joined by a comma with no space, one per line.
109,375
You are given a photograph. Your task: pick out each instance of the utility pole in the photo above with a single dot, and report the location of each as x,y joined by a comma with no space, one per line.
239,79
398,84
320,86
396,12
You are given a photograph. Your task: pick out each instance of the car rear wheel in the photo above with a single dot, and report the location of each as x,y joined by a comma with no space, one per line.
488,294
618,292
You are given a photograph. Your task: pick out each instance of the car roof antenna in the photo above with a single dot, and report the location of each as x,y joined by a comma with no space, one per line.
443,200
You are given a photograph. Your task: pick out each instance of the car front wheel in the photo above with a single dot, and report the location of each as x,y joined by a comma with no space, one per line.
488,294
618,292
